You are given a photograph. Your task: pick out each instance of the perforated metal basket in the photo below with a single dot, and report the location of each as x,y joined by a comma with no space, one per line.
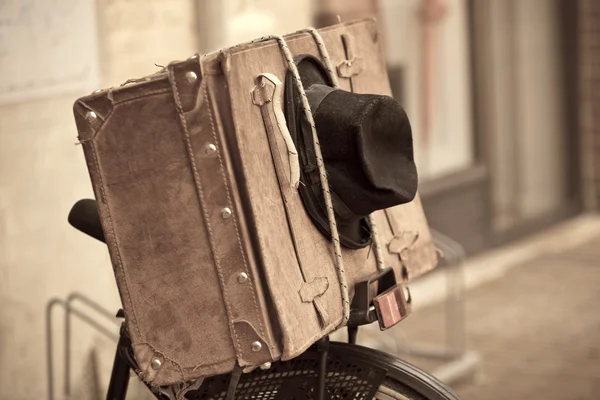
297,379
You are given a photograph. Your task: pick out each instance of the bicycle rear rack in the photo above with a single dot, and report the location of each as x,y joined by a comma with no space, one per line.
363,311
458,360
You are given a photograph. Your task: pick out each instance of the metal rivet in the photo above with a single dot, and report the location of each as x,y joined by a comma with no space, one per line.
191,76
155,364
242,277
97,90
211,149
193,57
91,116
256,346
265,366
226,212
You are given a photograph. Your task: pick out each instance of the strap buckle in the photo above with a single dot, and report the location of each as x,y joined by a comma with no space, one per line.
392,306
380,298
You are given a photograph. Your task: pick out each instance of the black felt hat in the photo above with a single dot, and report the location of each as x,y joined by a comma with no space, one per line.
366,142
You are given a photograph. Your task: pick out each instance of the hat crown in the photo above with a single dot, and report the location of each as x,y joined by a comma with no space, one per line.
366,143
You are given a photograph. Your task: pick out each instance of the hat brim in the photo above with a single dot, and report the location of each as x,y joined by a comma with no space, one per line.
354,234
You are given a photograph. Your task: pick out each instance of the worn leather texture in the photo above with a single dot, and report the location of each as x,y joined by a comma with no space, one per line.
215,257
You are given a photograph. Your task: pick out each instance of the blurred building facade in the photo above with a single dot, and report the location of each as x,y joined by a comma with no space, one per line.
502,95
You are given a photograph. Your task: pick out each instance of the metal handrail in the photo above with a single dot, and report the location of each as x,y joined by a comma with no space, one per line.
67,305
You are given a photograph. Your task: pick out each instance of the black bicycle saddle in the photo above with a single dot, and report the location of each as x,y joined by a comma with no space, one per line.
84,217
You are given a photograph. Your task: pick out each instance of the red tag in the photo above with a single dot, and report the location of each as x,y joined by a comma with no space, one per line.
392,306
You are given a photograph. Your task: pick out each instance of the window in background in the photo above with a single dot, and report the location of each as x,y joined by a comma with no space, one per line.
529,142
229,22
431,55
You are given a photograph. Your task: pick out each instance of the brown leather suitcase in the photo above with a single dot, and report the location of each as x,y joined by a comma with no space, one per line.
211,266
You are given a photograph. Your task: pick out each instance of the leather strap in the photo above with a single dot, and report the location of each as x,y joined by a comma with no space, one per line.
267,95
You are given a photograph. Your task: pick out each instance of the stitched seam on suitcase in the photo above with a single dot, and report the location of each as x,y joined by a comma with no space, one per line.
113,240
201,198
105,118
185,368
236,175
237,233
142,95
